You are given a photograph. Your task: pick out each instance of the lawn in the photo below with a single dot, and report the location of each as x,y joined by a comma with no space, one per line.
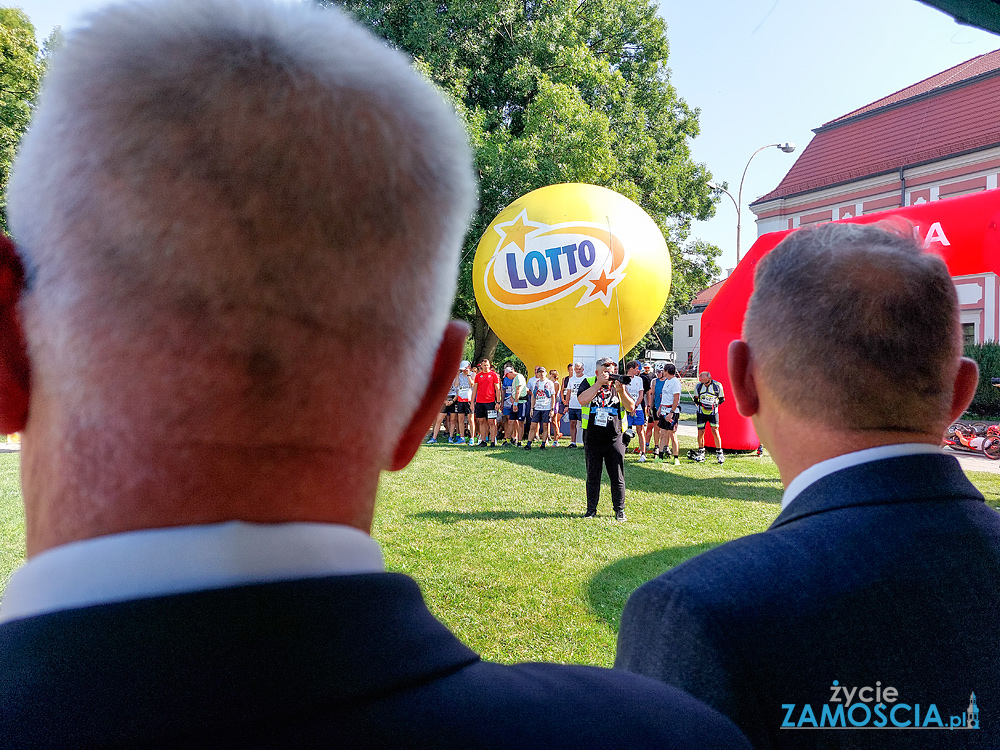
495,539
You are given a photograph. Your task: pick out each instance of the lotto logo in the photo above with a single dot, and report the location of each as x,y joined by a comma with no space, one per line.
535,263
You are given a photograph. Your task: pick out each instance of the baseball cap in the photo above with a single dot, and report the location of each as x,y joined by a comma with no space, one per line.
508,368
463,364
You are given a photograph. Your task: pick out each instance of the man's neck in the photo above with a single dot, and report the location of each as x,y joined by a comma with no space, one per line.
796,448
190,484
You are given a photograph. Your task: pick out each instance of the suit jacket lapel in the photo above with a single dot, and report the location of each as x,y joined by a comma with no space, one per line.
901,479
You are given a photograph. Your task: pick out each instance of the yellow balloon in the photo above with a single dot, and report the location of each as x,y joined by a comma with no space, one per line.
570,264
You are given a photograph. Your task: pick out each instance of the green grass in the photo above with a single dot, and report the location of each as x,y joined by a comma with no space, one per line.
495,539
11,516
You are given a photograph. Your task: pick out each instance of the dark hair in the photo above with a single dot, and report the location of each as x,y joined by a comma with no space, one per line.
671,368
857,326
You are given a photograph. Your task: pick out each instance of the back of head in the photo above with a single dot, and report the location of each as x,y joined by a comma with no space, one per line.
232,213
855,327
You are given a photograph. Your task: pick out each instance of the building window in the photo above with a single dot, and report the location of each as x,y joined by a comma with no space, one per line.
690,358
690,332
968,333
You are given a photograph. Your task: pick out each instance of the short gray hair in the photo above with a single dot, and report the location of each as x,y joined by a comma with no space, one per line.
854,325
263,186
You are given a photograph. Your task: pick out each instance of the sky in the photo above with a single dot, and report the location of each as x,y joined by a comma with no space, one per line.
768,71
760,72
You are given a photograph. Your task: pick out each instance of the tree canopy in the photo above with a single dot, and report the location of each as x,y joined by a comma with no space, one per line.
561,91
20,72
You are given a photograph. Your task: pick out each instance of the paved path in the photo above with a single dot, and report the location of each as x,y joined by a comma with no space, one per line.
968,461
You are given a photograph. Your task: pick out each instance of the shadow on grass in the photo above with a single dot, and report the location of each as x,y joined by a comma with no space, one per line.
655,478
454,516
611,586
651,476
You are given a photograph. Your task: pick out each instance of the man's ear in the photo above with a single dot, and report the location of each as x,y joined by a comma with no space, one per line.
449,354
742,379
966,382
14,368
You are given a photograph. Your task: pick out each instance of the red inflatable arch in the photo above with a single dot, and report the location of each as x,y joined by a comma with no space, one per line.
963,231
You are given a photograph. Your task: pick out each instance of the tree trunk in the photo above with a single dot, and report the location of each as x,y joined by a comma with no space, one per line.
486,340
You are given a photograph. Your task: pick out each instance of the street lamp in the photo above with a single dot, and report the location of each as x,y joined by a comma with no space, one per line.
719,189
738,201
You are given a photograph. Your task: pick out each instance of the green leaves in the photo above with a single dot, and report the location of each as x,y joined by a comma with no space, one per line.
20,73
560,91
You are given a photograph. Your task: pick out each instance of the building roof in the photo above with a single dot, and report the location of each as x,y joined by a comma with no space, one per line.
950,113
706,295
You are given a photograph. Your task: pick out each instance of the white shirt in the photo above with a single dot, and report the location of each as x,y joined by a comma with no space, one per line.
464,387
158,562
573,384
671,386
817,471
634,389
543,392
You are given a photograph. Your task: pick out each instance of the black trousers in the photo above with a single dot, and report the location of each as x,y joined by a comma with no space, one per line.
603,448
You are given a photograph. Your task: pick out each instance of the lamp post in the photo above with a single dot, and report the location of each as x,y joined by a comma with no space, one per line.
738,201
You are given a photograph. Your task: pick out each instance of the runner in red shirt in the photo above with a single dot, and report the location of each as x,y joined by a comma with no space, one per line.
488,395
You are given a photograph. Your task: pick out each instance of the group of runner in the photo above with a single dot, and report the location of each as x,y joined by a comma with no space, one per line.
484,404
490,407
659,390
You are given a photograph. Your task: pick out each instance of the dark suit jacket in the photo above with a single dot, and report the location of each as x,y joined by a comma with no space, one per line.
887,572
347,661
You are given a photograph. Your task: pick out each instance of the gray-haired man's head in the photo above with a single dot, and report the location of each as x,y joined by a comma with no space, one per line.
261,185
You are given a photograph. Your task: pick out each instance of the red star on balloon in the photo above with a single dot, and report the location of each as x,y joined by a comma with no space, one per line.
601,285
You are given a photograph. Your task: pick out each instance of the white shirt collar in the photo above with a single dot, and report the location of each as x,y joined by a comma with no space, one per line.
817,471
158,562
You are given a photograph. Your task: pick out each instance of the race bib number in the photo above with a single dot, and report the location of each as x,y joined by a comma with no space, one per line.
465,393
602,417
708,402
492,414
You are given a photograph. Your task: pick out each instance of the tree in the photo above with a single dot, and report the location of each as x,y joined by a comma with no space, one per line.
20,72
695,269
560,91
